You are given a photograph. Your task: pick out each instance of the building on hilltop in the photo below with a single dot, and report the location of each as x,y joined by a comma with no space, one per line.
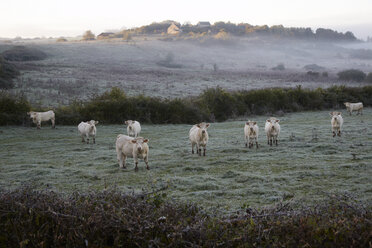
203,24
106,35
173,29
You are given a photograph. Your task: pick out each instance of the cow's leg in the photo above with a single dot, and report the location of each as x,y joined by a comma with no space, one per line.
94,139
198,147
82,139
192,147
246,141
339,133
256,143
121,160
53,123
135,162
38,125
205,148
87,137
147,162
334,133
276,141
271,141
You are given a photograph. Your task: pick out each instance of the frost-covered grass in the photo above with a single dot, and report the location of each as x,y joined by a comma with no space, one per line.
301,168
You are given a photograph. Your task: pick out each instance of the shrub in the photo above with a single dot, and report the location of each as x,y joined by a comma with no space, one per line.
61,39
113,219
22,53
369,77
13,109
314,67
168,61
279,67
351,75
313,74
88,35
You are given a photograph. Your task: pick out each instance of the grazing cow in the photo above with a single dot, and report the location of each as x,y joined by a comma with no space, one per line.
134,128
337,121
272,129
199,136
88,129
132,147
251,133
38,117
358,106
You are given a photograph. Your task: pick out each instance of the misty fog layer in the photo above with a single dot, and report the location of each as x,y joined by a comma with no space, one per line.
172,69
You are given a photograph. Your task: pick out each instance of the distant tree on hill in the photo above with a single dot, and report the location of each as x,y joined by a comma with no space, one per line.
88,35
126,35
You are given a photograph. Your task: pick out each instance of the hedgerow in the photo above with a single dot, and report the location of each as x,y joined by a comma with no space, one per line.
30,218
215,104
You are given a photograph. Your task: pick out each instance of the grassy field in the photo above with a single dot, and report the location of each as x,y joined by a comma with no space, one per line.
302,168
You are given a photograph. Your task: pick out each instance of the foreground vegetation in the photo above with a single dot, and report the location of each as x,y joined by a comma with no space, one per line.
32,218
216,104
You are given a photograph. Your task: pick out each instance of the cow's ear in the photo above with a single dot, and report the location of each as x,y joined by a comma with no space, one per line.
126,122
145,140
96,122
254,123
277,120
338,113
207,125
134,141
268,120
198,125
331,114
247,123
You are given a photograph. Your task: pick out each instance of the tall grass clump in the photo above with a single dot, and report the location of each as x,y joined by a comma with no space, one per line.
30,218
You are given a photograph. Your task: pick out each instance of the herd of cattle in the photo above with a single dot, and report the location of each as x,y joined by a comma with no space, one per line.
136,147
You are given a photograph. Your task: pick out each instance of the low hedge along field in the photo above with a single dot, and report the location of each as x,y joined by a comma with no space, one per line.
32,218
216,104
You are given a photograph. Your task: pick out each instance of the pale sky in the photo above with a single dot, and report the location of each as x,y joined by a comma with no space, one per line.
38,18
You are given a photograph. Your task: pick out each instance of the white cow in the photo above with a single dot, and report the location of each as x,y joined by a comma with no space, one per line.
272,129
133,148
134,128
337,121
198,136
358,106
38,117
88,129
251,133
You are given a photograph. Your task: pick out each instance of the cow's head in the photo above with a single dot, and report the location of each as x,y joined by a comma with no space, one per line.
251,125
138,143
32,115
272,121
335,115
203,126
129,123
347,104
92,124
